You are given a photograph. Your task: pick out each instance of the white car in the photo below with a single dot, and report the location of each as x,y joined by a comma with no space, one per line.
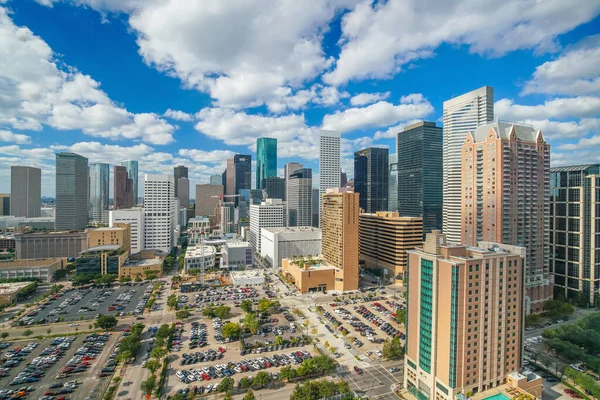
377,353
73,325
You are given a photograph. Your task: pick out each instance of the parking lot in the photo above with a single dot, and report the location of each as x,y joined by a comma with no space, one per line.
80,304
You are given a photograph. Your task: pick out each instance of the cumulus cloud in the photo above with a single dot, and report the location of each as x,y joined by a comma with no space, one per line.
362,99
202,156
8,136
571,107
178,115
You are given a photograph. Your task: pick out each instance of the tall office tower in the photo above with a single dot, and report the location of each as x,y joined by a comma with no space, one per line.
71,192
228,217
575,231
343,179
182,192
274,186
506,197
384,238
299,202
207,199
216,179
135,218
465,318
462,114
329,164
132,172
123,189
393,183
4,203
181,171
315,207
243,172
420,176
224,177
25,191
339,222
289,169
99,192
371,171
159,212
266,159
271,213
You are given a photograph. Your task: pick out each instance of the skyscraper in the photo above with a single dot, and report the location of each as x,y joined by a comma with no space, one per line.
159,212
269,214
216,179
182,192
243,172
228,217
371,170
506,198
575,231
99,192
181,171
25,191
4,203
71,192
462,114
299,203
315,207
274,186
123,189
207,198
266,159
132,173
288,169
393,183
420,186
343,179
329,163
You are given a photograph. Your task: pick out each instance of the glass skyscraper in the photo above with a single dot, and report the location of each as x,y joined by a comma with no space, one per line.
393,183
99,191
132,172
420,184
371,170
266,159
71,192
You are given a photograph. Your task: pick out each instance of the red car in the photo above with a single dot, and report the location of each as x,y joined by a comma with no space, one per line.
206,377
222,350
358,370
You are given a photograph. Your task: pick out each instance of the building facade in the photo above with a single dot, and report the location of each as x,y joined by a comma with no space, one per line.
49,245
134,217
575,232
238,254
371,172
228,224
118,234
4,204
299,203
289,169
420,176
465,318
462,114
159,212
266,159
183,192
216,179
274,187
383,240
40,269
207,199
286,242
506,198
123,189
339,222
71,192
200,257
393,183
329,164
198,228
316,194
271,213
132,173
25,191
99,192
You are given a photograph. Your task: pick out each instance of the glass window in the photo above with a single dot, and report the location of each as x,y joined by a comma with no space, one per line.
573,210
574,195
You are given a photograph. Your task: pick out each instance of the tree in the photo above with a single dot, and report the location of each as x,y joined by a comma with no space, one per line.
148,385
106,279
209,312
232,330
194,271
245,382
264,305
288,372
163,332
401,316
182,314
533,319
152,365
261,379
228,396
279,340
226,385
158,352
60,274
125,279
223,312
172,301
151,275
251,322
48,331
4,335
392,349
557,309
28,332
246,306
106,322
124,355
249,395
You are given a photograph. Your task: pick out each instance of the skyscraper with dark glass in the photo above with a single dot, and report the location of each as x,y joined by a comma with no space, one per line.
71,192
266,159
99,192
420,176
371,170
132,173
274,187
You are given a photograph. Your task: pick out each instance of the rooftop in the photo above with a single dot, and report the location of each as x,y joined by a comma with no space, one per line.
28,263
574,168
104,247
237,243
106,228
503,130
290,229
200,251
151,262
246,274
11,288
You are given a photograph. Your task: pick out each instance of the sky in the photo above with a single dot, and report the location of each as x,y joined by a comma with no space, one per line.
192,82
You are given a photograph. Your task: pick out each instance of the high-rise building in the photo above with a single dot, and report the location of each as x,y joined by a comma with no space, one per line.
224,177
132,172
99,192
339,221
207,199
329,163
465,317
384,238
271,213
266,159
123,189
315,207
343,179
506,198
371,171
216,179
135,218
274,187
25,191
159,212
181,171
462,114
182,192
228,217
393,183
289,169
575,232
4,203
243,172
299,202
420,175
71,192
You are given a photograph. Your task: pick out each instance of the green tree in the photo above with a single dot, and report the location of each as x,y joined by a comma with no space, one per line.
288,372
194,272
231,330
163,332
223,312
182,314
106,322
392,349
4,335
249,395
264,305
261,379
533,319
251,322
228,396
245,382
209,312
106,279
557,309
152,365
172,301
125,279
60,274
49,331
246,306
151,275
28,332
226,385
158,352
279,340
148,385
401,316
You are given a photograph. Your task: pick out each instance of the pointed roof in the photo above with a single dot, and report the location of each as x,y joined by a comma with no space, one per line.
504,129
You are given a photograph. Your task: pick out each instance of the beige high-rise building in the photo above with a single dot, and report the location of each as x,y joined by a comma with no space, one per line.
339,219
207,199
506,198
384,238
465,318
119,234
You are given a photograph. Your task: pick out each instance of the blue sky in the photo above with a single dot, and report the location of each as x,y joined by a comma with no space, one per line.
192,82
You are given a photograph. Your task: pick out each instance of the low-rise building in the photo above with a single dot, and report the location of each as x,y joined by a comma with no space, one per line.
309,274
119,234
141,263
7,243
105,259
237,254
40,269
285,242
198,228
247,278
10,291
44,245
201,257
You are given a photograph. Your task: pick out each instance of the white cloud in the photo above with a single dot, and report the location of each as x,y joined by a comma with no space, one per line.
201,156
392,132
178,115
330,96
8,136
557,130
34,91
379,114
378,38
367,98
575,72
572,107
